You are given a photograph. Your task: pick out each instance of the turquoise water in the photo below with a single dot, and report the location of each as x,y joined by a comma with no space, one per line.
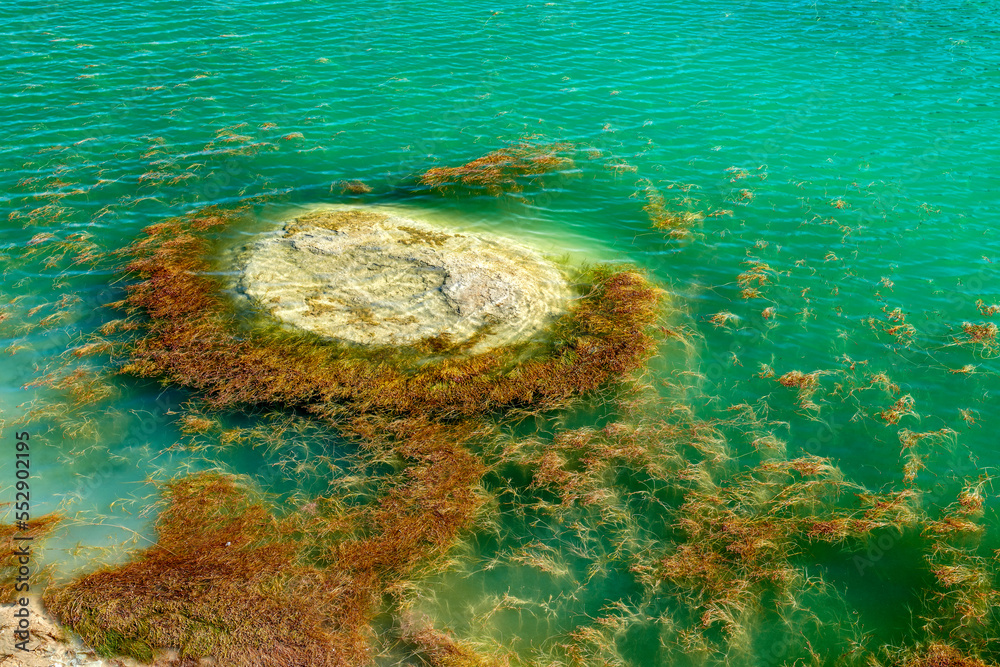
850,147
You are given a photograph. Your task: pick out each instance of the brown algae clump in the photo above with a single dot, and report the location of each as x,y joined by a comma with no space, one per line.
10,550
375,276
221,565
439,649
674,221
192,339
942,655
231,579
501,171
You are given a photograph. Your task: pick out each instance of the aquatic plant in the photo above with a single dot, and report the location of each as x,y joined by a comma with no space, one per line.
758,275
439,649
503,170
36,529
230,577
738,540
677,220
322,571
982,336
190,338
713,521
940,655
724,548
221,565
353,187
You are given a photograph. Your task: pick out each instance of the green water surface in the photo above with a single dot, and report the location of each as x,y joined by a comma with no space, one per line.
851,147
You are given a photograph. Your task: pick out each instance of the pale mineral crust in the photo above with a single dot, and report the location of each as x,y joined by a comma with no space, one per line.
376,276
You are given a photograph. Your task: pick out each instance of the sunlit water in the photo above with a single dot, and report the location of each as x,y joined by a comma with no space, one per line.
851,147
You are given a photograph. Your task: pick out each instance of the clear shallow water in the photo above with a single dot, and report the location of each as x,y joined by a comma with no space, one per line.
853,143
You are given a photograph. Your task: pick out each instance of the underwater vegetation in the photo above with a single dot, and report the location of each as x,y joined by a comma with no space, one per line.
37,528
190,338
709,526
721,546
229,578
502,171
674,220
677,532
217,570
224,560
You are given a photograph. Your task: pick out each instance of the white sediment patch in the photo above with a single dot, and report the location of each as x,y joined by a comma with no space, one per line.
48,645
376,276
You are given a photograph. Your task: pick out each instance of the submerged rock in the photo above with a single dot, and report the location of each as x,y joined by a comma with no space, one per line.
374,276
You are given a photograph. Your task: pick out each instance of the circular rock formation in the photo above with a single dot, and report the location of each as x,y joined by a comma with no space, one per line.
374,276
